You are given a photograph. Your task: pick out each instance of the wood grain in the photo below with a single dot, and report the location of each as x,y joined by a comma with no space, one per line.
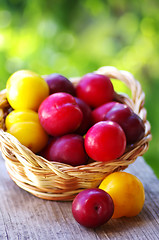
25,217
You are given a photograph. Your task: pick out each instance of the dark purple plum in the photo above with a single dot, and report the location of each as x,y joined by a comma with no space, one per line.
134,129
130,122
68,149
59,83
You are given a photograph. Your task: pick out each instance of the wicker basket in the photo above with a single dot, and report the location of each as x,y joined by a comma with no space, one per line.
57,181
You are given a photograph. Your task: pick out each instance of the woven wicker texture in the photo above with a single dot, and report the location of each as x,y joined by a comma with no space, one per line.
57,181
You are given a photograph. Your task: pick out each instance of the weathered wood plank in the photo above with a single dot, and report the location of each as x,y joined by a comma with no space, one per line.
23,216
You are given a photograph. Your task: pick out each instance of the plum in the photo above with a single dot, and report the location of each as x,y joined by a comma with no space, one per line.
59,83
130,122
59,114
105,141
68,149
95,89
92,207
98,114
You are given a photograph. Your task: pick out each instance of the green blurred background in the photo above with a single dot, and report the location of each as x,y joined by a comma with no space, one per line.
74,37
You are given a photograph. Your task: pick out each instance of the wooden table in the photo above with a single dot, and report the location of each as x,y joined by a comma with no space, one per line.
23,216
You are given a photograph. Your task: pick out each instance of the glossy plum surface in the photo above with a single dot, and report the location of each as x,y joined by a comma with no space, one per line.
134,129
95,89
105,141
92,207
59,114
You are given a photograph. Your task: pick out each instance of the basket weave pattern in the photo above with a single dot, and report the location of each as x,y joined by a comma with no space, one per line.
58,181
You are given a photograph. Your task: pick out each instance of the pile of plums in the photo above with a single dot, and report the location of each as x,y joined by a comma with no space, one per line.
85,121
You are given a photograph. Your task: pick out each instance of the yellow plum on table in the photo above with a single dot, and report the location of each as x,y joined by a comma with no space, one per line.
127,193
